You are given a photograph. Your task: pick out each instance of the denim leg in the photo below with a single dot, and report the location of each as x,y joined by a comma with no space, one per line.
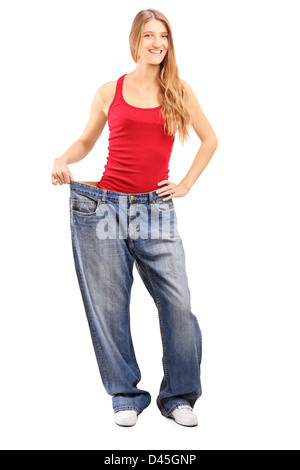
161,265
104,271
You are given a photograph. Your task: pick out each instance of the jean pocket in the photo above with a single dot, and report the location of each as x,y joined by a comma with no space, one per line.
164,206
83,204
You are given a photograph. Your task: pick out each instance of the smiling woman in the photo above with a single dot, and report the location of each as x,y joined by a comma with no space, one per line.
144,110
148,34
154,38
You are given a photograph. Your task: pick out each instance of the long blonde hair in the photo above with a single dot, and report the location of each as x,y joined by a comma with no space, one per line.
174,98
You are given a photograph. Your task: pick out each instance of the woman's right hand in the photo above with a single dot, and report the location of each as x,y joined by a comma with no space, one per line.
61,173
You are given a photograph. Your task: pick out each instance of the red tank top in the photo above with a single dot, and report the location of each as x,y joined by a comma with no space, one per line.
139,151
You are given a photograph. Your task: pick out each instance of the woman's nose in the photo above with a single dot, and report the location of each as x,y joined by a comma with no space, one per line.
157,42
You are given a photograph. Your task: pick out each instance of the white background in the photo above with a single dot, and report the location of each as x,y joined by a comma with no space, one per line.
239,225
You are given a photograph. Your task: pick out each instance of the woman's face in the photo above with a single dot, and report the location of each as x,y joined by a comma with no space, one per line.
154,42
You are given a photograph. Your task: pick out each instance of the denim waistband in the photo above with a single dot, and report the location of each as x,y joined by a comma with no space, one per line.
89,187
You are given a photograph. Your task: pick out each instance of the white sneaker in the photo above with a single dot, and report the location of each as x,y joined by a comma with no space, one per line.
126,417
184,415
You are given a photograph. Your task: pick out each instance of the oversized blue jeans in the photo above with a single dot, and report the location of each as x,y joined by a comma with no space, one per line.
111,232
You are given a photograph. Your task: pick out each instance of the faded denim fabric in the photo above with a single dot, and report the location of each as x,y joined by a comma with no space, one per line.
112,232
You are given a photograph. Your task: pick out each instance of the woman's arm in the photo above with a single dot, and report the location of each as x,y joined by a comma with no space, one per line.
209,143
206,134
61,173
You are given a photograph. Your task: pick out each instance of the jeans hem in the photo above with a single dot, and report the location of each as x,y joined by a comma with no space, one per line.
123,408
167,413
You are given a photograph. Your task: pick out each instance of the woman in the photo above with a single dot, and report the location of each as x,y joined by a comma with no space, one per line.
128,218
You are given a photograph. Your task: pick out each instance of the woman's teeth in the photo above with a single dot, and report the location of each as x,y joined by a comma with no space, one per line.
155,52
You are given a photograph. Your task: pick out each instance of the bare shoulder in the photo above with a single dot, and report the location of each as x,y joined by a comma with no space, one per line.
191,100
183,82
200,122
107,88
187,87
105,94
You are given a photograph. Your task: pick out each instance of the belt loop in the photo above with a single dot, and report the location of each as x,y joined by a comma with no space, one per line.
150,196
104,192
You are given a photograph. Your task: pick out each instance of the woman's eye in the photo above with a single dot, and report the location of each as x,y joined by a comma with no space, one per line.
147,35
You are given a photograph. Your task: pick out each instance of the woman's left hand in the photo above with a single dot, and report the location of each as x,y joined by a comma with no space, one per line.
175,190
